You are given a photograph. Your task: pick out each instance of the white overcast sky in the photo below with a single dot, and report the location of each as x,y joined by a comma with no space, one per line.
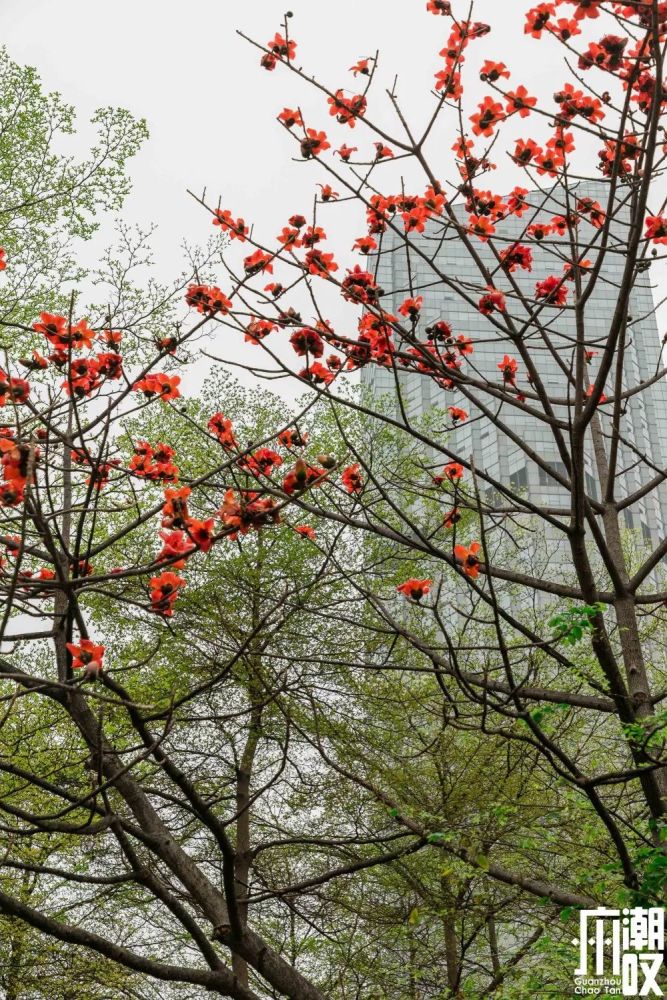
211,109
209,106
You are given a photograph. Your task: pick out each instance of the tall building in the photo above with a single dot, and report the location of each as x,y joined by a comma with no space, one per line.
403,272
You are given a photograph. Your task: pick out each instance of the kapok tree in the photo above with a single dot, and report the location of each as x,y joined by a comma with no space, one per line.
606,107
88,517
72,494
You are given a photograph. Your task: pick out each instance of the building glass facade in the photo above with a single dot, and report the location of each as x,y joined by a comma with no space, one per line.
413,268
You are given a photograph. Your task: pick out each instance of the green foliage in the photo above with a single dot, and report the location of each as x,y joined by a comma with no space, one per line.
574,623
49,199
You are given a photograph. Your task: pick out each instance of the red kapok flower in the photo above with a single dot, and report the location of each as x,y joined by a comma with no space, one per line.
365,244
292,439
319,263
414,589
176,548
175,513
493,301
305,531
538,18
314,143
235,227
289,117
492,71
61,335
452,472
458,415
553,290
411,307
362,66
317,374
307,341
468,558
452,517
383,152
281,48
347,109
489,115
656,228
164,591
327,193
352,479
515,256
519,102
87,655
222,427
481,226
201,533
509,367
258,261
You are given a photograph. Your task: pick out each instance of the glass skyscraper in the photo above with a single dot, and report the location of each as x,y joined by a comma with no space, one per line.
403,272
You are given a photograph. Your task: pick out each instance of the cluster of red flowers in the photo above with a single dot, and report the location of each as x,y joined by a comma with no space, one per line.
237,227
280,49
261,462
85,375
375,341
63,335
100,471
247,510
292,439
13,390
549,160
346,110
160,386
154,462
573,103
607,54
414,210
393,340
540,18
182,535
630,150
515,256
552,290
448,80
208,299
360,286
222,428
18,458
